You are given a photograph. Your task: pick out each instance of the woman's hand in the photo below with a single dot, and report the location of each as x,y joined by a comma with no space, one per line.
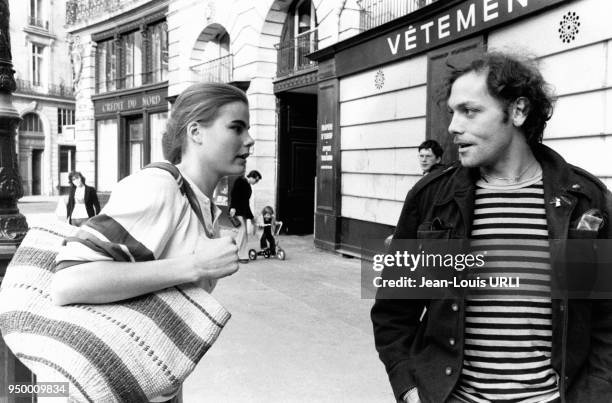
108,281
215,258
412,396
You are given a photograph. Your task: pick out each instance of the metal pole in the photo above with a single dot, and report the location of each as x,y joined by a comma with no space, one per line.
13,225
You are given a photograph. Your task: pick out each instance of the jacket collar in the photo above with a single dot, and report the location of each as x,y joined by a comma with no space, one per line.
461,183
555,170
560,188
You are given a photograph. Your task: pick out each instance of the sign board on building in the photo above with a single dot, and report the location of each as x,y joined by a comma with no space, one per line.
462,20
131,102
327,144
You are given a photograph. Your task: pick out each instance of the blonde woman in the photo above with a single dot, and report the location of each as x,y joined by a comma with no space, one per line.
148,218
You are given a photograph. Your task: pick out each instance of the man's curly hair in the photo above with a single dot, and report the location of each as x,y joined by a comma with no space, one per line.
510,77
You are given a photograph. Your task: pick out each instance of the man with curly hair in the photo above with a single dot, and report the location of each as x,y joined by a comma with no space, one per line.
511,198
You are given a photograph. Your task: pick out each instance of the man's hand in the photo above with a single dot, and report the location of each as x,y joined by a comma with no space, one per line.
215,258
232,212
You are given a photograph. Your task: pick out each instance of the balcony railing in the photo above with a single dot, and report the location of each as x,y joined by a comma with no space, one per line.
56,90
378,12
37,22
219,70
82,10
292,53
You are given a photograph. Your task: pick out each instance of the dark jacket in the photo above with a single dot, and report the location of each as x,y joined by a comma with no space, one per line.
435,168
92,205
421,354
239,198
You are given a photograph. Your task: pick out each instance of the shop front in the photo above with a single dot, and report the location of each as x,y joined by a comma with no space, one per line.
129,129
374,111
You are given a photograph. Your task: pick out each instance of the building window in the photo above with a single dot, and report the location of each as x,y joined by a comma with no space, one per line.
305,31
159,52
67,164
157,126
37,64
131,45
37,16
65,117
121,61
107,65
107,145
135,139
299,38
31,123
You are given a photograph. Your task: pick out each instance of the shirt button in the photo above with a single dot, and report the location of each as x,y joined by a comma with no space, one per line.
455,307
448,371
451,341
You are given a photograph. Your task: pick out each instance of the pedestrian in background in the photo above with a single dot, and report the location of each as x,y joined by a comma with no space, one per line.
268,224
82,203
430,156
241,209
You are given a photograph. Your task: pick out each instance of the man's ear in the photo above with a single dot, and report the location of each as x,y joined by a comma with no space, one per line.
519,111
194,132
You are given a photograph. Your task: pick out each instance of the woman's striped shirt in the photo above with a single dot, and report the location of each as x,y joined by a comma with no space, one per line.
508,331
146,218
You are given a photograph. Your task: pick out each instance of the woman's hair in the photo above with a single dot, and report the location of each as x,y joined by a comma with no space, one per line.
267,209
75,174
197,103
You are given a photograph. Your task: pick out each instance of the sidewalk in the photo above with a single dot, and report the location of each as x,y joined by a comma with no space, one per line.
299,332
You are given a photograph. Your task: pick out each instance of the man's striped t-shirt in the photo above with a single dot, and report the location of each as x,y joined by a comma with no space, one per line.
508,331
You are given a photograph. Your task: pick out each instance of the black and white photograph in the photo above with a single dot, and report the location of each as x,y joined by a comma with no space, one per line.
270,201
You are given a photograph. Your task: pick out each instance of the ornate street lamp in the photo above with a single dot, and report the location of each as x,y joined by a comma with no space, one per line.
13,225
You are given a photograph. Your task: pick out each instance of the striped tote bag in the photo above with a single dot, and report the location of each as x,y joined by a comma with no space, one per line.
129,351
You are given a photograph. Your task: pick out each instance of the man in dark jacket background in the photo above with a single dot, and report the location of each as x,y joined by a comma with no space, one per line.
430,156
515,197
241,209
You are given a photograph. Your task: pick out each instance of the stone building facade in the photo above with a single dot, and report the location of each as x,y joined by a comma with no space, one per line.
121,52
341,91
44,97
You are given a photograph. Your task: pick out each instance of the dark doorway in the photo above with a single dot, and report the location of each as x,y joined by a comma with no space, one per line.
438,118
67,160
132,148
297,157
36,171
